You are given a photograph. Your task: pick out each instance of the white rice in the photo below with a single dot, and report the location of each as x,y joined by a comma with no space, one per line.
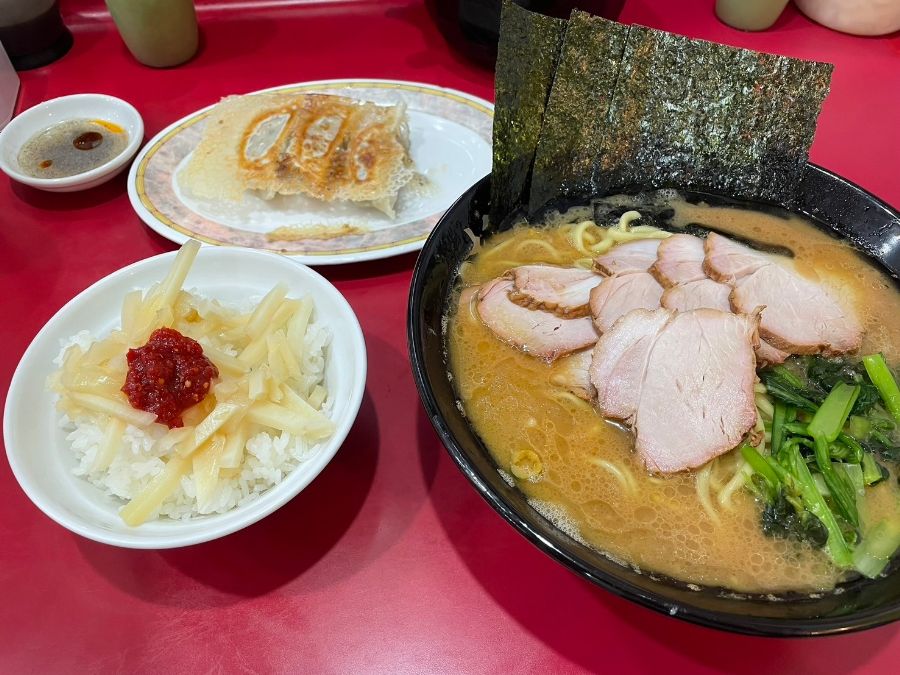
268,458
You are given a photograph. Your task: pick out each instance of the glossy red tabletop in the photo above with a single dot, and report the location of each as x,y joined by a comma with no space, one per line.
389,561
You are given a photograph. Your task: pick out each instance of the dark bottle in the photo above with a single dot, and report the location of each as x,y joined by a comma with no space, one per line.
33,33
472,26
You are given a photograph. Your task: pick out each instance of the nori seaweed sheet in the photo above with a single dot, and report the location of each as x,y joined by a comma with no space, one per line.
575,116
702,116
527,54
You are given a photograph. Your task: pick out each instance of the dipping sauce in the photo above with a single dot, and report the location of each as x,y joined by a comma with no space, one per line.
168,375
71,147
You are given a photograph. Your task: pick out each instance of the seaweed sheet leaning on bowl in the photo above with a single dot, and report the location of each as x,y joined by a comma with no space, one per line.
575,116
711,118
668,111
528,52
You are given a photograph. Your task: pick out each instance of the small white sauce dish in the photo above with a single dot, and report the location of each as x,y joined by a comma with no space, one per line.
77,106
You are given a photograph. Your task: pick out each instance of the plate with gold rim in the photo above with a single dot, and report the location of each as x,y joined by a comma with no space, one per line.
450,143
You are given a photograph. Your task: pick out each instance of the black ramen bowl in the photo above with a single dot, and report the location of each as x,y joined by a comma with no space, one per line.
834,205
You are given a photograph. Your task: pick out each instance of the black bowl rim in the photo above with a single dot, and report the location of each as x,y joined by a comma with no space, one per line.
744,624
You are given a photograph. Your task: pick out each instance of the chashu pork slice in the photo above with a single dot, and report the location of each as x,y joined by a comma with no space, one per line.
572,372
628,258
769,355
696,397
700,294
536,332
467,299
679,267
620,294
800,316
562,290
728,262
619,361
679,260
710,294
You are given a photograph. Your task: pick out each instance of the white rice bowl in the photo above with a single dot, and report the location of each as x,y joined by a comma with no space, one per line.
50,457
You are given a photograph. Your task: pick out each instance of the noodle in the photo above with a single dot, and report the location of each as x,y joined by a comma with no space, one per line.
608,237
643,232
577,236
702,485
552,252
715,479
736,483
569,397
627,218
487,253
621,474
623,232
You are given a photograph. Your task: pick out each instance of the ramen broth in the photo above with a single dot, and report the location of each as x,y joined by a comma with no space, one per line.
591,483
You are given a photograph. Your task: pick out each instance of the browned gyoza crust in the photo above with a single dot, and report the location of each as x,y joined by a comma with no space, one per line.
326,147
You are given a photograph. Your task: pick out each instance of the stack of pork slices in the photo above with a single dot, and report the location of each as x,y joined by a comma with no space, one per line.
665,335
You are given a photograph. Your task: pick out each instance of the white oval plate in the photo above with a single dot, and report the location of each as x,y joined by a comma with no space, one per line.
35,444
450,142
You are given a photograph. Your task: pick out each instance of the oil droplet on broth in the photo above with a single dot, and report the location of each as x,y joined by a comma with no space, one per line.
644,515
602,516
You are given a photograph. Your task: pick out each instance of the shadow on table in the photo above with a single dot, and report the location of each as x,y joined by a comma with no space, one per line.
443,35
237,35
594,628
370,268
72,201
267,555
336,274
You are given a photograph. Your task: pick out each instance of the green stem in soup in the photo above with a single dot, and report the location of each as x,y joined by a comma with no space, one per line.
787,387
759,464
824,428
823,464
872,556
832,415
873,472
884,381
779,418
814,501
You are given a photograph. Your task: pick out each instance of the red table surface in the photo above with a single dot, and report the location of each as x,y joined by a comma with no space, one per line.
389,561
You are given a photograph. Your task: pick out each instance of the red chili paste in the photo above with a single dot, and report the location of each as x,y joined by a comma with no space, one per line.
168,375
